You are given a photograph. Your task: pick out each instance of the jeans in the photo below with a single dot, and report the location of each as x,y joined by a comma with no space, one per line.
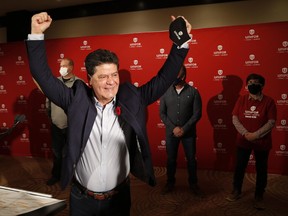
261,158
172,146
83,205
58,145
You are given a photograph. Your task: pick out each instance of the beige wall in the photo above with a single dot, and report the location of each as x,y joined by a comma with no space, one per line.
200,16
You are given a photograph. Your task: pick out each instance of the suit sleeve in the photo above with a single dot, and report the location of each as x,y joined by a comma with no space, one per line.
157,86
52,87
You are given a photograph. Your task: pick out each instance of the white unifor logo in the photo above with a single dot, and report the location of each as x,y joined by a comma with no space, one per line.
253,108
283,122
251,31
220,121
20,78
180,33
85,43
220,72
190,59
62,55
282,147
162,50
219,47
284,70
285,43
1,87
135,62
219,145
19,58
135,40
252,57
163,142
284,96
220,96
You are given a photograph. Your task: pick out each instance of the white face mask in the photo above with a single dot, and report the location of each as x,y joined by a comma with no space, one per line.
63,71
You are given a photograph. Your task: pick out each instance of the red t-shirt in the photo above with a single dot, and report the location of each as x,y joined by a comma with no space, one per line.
253,114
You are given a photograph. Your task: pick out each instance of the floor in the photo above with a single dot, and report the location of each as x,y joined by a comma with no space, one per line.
32,173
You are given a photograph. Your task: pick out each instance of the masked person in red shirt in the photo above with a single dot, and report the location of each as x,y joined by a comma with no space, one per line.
254,116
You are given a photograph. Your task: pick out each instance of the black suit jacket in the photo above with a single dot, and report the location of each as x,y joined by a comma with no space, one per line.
78,103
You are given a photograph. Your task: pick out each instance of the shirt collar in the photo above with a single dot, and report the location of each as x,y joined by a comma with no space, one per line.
98,104
71,79
259,98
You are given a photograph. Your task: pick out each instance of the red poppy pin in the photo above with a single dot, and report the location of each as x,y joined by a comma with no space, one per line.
118,110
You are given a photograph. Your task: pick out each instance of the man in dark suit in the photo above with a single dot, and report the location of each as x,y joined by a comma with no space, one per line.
107,136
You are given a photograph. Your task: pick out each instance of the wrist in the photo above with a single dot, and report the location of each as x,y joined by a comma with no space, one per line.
35,36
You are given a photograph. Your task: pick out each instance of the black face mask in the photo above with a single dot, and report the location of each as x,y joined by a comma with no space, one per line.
254,88
178,81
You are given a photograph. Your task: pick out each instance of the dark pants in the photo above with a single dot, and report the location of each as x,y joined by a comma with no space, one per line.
261,158
83,205
58,145
172,146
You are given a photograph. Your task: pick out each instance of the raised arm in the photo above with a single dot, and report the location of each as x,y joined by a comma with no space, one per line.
50,85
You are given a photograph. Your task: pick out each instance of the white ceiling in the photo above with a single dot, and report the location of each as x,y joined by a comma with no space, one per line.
38,5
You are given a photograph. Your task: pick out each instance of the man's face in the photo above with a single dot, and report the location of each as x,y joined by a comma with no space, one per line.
65,64
105,82
254,86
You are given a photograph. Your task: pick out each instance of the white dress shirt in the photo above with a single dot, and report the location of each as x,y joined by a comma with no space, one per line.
105,161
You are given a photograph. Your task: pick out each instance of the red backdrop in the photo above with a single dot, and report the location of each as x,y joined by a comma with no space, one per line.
217,64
